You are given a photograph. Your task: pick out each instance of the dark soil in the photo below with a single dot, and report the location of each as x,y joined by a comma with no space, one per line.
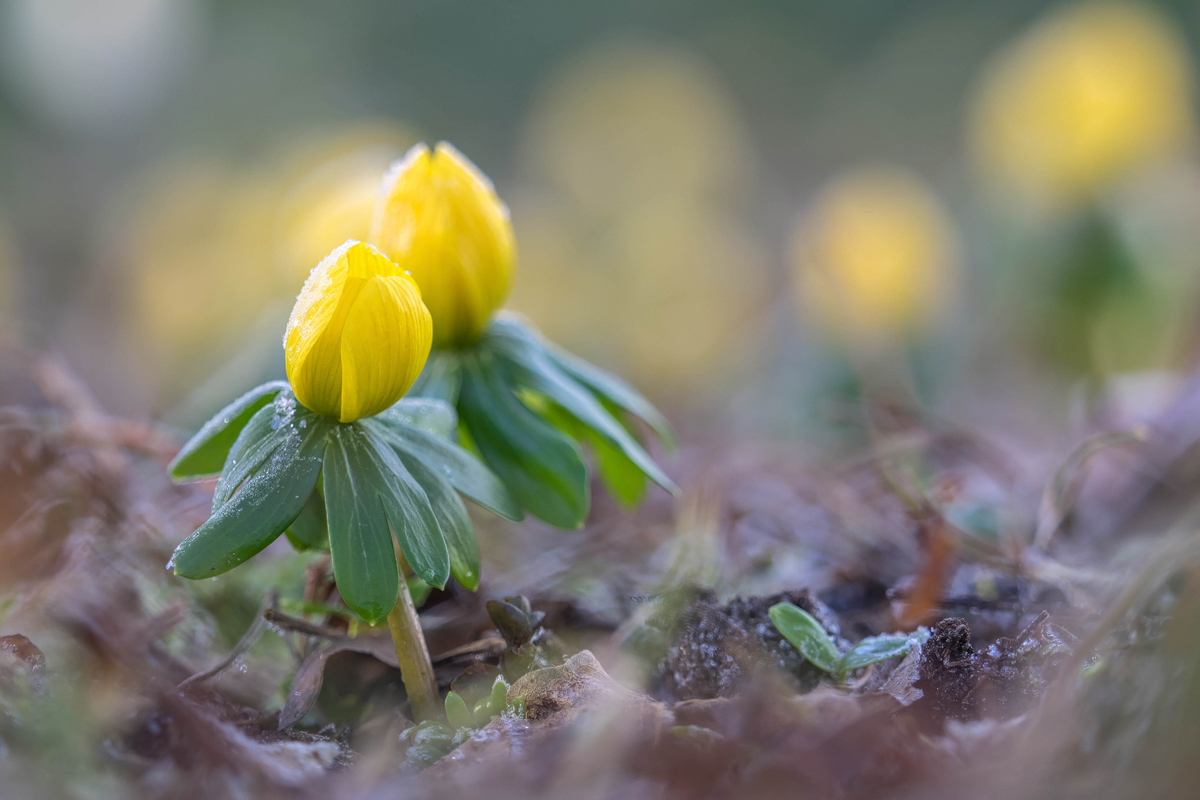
721,647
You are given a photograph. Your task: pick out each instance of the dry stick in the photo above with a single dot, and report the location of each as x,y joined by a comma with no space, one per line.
245,643
416,669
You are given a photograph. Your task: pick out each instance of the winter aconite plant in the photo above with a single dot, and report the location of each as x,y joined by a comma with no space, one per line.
524,404
336,459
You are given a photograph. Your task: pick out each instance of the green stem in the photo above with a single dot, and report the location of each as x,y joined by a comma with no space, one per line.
416,669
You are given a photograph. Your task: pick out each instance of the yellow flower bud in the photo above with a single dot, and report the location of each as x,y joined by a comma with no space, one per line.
875,256
358,336
1095,92
439,217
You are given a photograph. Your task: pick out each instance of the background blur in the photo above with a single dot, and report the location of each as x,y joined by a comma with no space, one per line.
758,211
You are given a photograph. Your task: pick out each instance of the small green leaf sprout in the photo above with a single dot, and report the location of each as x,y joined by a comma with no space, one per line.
432,739
808,636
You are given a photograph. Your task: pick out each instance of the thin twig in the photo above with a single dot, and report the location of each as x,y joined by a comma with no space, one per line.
245,643
277,617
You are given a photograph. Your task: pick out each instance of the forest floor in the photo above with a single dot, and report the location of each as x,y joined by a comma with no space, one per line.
1062,606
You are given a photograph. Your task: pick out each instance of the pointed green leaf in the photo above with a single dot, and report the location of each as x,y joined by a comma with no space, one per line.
407,506
310,530
263,506
453,520
874,649
360,540
435,417
617,392
205,453
534,369
541,466
806,635
498,700
463,470
418,590
457,713
600,381
623,478
254,445
440,379
620,476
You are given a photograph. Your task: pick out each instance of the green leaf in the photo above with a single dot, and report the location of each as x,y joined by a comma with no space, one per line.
623,478
254,445
602,382
874,649
205,453
540,465
360,540
462,469
453,520
435,417
408,509
535,369
806,635
498,700
379,470
457,713
440,379
482,712
263,507
418,590
310,530
620,476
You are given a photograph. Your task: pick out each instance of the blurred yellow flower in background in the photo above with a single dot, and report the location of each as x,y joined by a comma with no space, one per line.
641,164
198,253
329,191
439,217
213,251
634,121
358,335
1092,94
875,256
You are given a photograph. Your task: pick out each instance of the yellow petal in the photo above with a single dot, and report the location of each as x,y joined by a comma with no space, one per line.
385,343
309,360
313,342
439,217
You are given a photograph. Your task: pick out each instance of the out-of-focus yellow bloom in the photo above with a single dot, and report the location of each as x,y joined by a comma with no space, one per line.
687,281
197,229
331,185
192,228
1092,94
641,166
358,336
633,122
440,218
875,256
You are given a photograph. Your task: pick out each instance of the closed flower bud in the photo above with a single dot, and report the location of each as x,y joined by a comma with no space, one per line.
358,336
439,217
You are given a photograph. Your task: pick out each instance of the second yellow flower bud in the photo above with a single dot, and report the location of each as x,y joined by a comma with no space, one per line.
440,219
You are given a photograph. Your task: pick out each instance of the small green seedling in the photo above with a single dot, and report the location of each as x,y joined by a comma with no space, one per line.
809,637
460,715
432,739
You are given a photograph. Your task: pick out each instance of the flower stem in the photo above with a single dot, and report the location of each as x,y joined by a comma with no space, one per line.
416,669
